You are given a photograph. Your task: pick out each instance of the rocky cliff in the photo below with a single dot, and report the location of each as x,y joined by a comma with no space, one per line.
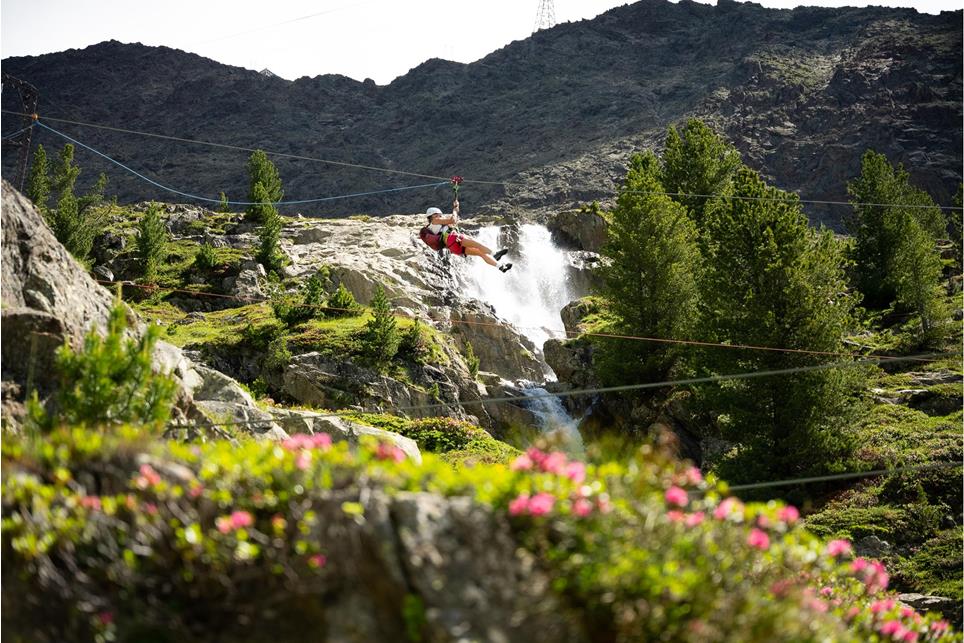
801,93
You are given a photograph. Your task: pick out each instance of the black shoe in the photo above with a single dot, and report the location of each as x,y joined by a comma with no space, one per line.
500,254
505,267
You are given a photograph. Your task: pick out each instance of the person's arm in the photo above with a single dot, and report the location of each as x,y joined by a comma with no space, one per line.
438,219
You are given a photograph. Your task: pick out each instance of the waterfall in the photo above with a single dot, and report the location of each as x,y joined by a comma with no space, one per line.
529,296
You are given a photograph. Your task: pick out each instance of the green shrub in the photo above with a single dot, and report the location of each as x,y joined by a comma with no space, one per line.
206,257
223,205
265,187
269,241
471,360
110,381
342,303
152,239
381,337
412,345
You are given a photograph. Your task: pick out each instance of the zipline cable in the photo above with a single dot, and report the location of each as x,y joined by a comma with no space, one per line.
233,147
711,379
843,476
210,200
479,181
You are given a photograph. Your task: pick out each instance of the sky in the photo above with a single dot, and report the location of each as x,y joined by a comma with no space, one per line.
377,39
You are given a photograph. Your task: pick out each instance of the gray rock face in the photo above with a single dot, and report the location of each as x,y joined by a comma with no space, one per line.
498,346
948,607
461,561
579,230
571,360
49,299
312,379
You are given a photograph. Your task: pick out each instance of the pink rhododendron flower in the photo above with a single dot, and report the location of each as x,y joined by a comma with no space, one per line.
676,496
675,515
148,477
602,503
90,502
907,612
878,577
859,565
779,588
725,508
321,440
541,504
758,539
554,463
788,514
150,508
318,560
940,626
818,605
839,547
581,507
762,522
522,463
909,636
536,455
695,518
693,476
882,606
303,460
105,618
195,490
519,505
891,628
852,613
826,591
576,471
387,451
241,519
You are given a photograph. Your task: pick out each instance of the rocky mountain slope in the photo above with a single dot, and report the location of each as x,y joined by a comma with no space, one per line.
801,93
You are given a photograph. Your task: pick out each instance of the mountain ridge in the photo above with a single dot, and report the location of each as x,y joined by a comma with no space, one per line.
801,93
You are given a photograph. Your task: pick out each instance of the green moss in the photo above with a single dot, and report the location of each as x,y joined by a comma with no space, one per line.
934,567
223,327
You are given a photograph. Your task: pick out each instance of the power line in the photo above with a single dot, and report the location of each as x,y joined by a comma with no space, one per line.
231,147
473,181
843,476
210,200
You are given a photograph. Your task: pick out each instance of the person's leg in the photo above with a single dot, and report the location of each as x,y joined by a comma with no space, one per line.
468,242
476,252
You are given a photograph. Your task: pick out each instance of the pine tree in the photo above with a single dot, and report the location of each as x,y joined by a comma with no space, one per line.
381,337
916,275
698,162
75,222
342,303
877,224
111,380
650,283
269,234
223,205
772,281
262,171
38,185
152,240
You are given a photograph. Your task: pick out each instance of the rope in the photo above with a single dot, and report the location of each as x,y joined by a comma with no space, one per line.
233,147
844,476
661,340
475,181
17,133
209,200
590,391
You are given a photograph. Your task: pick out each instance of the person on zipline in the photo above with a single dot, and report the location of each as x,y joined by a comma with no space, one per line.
440,233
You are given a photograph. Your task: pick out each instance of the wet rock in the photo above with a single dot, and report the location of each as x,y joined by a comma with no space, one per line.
579,230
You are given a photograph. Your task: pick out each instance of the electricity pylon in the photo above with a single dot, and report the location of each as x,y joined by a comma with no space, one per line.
545,15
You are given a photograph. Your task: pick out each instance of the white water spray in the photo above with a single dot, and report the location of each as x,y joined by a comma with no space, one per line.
529,296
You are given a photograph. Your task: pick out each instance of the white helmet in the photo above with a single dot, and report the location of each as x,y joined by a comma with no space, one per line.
432,211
